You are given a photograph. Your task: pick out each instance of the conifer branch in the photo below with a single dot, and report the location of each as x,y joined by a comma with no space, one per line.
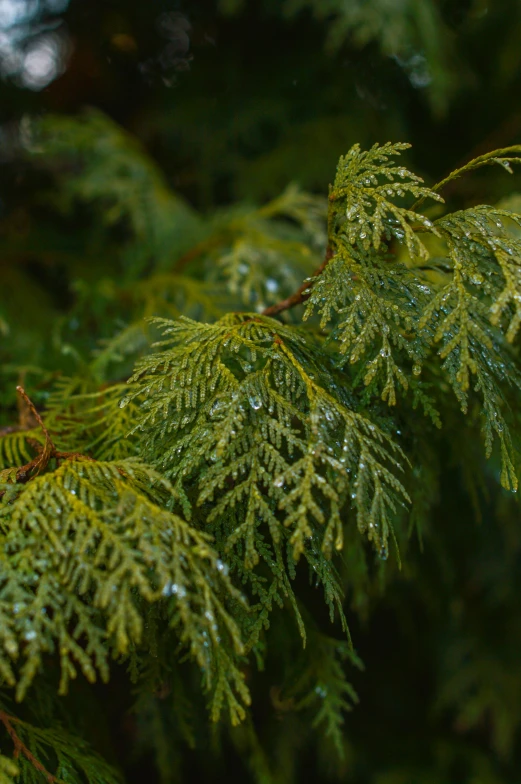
245,450
504,157
21,749
362,210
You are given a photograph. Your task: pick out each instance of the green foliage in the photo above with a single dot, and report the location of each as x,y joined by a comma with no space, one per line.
368,182
320,686
105,547
203,268
39,750
8,770
123,181
385,314
160,530
15,446
269,248
254,398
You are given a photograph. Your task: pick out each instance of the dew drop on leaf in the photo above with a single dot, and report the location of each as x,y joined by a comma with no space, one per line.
255,402
172,589
222,567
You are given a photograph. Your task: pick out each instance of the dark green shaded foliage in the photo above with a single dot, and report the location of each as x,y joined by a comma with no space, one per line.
169,532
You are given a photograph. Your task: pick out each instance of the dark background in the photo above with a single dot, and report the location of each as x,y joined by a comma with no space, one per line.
236,99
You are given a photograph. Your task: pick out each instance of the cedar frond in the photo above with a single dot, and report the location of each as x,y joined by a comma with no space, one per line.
104,549
240,414
368,183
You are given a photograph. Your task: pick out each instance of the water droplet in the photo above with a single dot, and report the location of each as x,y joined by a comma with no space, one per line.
222,567
384,552
416,369
272,285
124,402
172,589
255,402
217,407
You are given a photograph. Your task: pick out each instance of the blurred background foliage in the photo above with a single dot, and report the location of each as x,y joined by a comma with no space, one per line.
131,133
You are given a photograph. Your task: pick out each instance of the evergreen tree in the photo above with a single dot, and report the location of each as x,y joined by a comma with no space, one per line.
250,444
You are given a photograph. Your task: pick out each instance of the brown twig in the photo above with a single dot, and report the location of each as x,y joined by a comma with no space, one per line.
302,294
45,452
39,463
21,748
32,408
195,252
